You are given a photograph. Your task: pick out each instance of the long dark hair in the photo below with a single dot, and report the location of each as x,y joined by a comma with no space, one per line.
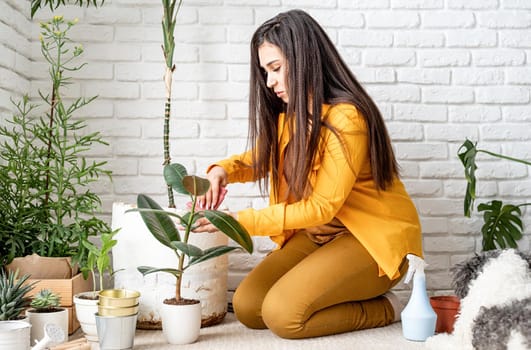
316,74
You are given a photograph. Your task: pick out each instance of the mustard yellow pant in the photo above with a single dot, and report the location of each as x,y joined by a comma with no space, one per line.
307,290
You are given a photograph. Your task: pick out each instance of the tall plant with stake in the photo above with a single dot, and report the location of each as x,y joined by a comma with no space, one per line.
169,19
502,223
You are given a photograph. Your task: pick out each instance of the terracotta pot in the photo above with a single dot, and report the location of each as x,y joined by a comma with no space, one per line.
446,307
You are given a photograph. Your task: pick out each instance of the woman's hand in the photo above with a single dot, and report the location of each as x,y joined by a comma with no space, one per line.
216,193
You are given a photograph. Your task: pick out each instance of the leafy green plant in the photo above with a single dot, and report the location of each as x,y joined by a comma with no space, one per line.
161,224
13,294
502,225
54,4
99,257
45,301
44,173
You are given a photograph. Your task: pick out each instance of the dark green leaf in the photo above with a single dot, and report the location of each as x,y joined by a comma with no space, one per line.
187,249
502,225
195,185
146,270
173,175
232,228
211,253
467,154
158,222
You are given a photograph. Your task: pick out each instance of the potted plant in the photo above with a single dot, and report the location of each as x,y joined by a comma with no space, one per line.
98,262
207,282
14,330
502,226
45,308
502,223
179,313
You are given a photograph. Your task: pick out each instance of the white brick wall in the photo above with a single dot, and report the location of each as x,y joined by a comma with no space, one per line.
440,70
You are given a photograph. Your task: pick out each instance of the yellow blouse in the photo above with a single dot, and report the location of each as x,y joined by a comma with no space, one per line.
385,222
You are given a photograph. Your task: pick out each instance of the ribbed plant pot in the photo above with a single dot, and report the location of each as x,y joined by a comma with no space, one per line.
206,282
85,311
446,307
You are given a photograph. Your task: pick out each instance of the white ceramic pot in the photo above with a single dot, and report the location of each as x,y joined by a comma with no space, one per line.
14,335
86,310
206,282
181,323
39,319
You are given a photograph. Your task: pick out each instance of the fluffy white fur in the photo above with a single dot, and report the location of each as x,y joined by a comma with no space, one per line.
502,280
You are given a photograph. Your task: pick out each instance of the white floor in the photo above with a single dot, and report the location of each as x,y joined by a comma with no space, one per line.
231,335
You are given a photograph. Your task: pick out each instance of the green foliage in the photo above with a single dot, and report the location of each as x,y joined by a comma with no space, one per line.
47,207
502,226
99,257
163,227
45,300
13,291
54,4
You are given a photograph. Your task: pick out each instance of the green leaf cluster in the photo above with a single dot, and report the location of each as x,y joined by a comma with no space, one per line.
502,223
13,294
45,300
47,207
99,258
54,4
162,224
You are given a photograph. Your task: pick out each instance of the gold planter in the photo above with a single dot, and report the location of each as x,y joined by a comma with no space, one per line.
117,310
118,302
118,298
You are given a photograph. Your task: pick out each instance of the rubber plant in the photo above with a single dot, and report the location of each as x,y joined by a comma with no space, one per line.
502,223
161,224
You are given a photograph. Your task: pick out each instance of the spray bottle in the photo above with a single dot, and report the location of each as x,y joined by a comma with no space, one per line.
418,317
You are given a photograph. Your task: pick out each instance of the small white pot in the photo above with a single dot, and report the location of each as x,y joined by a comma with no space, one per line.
181,323
14,335
86,310
39,319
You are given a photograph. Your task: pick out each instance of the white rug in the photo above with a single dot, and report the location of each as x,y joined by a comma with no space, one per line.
232,335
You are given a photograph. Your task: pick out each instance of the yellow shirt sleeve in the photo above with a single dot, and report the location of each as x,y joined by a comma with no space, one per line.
332,179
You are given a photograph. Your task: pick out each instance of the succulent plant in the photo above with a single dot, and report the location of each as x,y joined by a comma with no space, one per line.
13,294
45,300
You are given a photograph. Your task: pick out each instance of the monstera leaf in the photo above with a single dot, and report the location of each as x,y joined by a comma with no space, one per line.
502,225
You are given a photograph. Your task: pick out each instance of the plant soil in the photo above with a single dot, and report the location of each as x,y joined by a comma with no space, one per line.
45,311
181,301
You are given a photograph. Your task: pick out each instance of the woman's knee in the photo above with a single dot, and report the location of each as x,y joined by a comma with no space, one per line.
247,309
281,317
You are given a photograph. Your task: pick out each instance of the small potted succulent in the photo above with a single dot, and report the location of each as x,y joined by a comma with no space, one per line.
179,313
45,308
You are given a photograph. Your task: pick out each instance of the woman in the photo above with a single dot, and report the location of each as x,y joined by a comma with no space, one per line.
341,218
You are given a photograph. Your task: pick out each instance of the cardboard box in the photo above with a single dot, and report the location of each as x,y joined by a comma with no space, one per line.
65,288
